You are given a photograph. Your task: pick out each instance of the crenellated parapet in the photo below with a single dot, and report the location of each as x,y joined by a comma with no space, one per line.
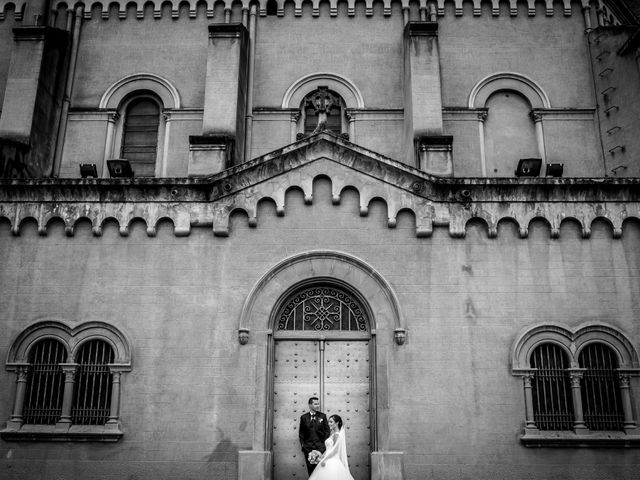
426,8
211,201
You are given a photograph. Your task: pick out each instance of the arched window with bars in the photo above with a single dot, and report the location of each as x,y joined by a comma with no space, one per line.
552,406
577,385
92,395
45,383
67,378
600,388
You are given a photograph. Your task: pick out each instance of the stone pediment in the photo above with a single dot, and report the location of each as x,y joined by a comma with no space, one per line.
209,201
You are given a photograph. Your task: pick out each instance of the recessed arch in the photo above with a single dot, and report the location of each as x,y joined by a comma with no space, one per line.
508,81
327,264
123,88
256,333
341,85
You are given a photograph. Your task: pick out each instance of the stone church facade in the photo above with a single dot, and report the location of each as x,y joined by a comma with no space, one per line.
426,213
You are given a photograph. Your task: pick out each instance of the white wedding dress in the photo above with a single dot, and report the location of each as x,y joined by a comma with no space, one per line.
334,464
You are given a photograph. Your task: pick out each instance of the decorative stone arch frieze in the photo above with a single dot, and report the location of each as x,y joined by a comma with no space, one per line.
118,91
572,341
71,338
516,82
361,277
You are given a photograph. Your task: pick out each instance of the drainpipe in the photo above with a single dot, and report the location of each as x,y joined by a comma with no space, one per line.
248,125
73,57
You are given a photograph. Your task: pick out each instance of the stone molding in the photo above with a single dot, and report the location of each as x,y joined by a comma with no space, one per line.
284,277
72,337
210,201
572,340
341,85
117,92
496,82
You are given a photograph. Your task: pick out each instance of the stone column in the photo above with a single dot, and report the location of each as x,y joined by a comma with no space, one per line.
221,144
16,420
625,393
575,375
69,371
295,117
352,126
114,411
529,423
482,117
112,119
537,118
166,116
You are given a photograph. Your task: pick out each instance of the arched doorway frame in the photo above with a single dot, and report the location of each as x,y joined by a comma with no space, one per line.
256,333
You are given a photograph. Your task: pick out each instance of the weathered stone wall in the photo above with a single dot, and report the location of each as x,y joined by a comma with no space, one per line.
187,405
366,50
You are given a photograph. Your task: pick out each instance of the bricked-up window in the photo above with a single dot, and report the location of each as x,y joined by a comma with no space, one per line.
601,401
45,383
552,406
92,395
140,137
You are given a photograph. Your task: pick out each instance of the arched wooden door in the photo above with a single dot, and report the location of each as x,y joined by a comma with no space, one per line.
322,348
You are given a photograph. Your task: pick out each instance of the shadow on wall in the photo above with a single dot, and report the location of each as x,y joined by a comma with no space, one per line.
225,451
12,159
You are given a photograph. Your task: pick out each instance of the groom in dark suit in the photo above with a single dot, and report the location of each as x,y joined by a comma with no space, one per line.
313,431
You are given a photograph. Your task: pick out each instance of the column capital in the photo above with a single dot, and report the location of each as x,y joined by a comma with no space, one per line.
69,370
536,116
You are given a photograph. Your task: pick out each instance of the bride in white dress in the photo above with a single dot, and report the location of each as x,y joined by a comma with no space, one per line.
333,464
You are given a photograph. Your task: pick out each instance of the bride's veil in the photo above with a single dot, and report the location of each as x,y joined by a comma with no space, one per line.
341,446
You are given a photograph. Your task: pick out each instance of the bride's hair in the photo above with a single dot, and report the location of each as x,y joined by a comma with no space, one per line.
337,419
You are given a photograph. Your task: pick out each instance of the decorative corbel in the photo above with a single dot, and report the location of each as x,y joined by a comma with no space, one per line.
400,335
243,336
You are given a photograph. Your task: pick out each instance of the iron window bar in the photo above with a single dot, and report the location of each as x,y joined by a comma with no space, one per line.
553,408
92,395
45,383
600,389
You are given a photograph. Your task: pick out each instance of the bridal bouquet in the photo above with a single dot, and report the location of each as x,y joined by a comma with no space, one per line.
314,457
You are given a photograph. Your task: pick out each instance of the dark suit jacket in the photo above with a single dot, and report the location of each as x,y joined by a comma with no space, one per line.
312,436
